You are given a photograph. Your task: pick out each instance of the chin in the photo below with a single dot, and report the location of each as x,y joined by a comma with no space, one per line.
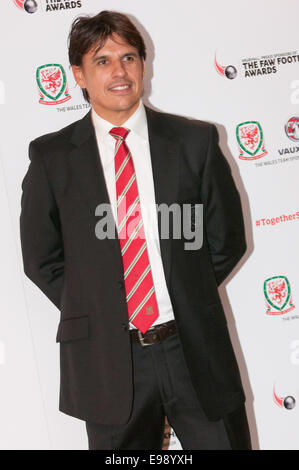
126,106
126,103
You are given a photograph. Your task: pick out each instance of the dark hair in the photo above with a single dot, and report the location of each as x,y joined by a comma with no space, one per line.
93,31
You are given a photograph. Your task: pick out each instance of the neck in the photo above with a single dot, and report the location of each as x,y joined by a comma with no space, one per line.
117,118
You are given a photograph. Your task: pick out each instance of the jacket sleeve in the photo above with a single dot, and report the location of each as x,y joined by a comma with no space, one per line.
222,211
41,239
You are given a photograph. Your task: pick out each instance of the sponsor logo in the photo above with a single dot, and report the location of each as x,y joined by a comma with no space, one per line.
30,6
292,132
55,5
268,64
259,66
228,71
278,296
287,402
52,84
255,68
285,151
292,129
250,139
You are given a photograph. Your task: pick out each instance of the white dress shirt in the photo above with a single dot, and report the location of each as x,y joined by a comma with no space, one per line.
138,143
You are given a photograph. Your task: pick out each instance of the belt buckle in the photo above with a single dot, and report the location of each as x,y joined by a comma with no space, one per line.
141,339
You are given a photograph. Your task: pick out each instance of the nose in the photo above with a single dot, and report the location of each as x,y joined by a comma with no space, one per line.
119,69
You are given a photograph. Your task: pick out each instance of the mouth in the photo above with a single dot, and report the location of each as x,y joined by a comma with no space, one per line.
120,89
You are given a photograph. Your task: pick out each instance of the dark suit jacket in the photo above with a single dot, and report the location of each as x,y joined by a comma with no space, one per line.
83,276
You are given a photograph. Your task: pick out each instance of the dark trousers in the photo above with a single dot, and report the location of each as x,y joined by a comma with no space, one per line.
162,386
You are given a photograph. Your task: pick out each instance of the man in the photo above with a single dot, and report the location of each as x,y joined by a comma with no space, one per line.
142,331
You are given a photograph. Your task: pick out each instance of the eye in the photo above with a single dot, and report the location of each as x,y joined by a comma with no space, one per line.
129,58
102,62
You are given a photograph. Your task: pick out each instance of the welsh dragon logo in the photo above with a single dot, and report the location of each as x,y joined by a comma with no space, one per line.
250,139
278,296
52,84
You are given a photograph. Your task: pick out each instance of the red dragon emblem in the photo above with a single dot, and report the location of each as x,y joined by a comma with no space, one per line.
52,84
278,297
51,80
250,140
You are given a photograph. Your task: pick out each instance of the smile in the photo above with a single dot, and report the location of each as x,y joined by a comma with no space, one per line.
120,88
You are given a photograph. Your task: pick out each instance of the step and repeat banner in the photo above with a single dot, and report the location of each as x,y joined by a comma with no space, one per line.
234,64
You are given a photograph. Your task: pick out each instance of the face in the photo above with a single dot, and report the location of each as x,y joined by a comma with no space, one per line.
113,78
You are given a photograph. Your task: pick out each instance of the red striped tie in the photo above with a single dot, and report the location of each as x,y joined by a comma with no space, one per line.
139,286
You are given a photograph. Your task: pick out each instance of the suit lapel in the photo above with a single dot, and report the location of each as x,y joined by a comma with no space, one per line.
86,168
88,174
86,164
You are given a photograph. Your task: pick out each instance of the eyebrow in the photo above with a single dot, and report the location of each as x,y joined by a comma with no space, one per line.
100,57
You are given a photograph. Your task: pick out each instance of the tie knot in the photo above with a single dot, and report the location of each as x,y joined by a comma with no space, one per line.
119,132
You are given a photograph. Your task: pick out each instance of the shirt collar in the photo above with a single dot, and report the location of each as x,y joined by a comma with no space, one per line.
137,123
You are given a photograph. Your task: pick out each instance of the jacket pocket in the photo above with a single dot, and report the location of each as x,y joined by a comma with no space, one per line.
72,329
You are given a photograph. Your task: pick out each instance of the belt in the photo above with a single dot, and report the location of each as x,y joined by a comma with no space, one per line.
155,334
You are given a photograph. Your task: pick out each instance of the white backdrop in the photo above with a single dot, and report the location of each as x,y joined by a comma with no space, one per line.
182,39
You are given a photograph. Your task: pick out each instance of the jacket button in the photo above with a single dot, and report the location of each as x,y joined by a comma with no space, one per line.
125,326
121,284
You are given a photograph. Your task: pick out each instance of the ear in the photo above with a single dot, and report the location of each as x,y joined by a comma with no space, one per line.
79,75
